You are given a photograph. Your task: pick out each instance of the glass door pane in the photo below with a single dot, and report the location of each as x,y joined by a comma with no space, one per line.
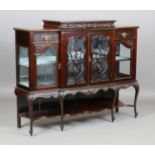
23,63
100,52
123,61
47,68
76,60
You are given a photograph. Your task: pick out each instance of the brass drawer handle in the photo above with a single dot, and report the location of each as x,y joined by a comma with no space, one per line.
124,34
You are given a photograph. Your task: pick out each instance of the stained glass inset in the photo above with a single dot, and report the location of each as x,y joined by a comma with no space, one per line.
76,54
100,58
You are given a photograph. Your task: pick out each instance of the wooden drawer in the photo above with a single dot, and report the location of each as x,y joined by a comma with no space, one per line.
125,33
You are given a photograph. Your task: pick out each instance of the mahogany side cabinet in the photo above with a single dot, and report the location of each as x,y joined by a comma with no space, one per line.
73,67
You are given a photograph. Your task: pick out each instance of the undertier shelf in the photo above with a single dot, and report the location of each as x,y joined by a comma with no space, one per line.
70,108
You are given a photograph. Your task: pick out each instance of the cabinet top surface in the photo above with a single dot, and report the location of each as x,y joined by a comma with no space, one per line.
79,21
55,26
35,30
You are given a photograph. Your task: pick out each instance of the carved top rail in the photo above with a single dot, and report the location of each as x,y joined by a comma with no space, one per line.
79,25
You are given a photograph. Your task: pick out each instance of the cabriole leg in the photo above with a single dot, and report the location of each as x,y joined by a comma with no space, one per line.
18,120
18,114
31,116
113,104
117,102
137,88
61,100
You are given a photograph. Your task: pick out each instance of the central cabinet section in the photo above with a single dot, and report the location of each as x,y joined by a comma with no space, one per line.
86,58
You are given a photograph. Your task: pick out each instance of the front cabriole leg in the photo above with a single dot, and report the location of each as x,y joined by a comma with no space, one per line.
137,88
30,115
113,104
18,114
61,100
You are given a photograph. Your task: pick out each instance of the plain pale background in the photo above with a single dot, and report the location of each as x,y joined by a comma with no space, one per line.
33,19
87,131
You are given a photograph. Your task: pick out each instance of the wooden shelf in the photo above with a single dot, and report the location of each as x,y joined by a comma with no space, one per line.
72,107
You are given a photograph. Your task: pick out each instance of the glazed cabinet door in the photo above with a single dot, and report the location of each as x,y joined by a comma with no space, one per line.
124,59
74,59
100,57
45,45
125,54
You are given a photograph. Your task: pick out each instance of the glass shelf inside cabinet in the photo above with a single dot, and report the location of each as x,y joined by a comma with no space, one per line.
119,58
45,60
123,61
23,63
46,68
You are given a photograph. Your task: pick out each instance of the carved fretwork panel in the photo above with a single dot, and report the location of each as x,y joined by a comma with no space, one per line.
40,48
45,37
87,25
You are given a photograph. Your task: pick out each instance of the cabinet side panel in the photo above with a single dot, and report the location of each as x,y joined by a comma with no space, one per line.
21,40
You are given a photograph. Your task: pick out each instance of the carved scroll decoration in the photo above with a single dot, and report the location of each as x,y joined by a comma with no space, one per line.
40,48
45,37
87,25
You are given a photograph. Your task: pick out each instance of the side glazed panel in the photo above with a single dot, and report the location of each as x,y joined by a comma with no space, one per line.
22,59
23,65
99,58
